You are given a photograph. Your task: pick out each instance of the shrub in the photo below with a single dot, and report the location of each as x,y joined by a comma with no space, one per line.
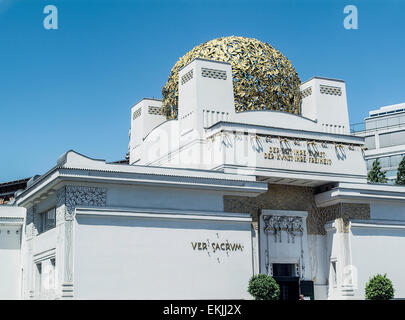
379,287
263,287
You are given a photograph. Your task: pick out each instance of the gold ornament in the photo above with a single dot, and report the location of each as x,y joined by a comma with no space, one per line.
263,79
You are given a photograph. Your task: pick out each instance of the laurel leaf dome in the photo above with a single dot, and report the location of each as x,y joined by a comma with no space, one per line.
263,78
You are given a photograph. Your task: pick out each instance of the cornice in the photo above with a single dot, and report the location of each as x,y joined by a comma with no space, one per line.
360,193
58,176
243,128
11,221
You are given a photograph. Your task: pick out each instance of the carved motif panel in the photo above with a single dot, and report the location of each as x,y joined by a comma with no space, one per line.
86,196
293,226
31,222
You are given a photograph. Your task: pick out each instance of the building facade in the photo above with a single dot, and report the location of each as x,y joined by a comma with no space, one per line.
11,229
223,182
11,254
7,190
384,134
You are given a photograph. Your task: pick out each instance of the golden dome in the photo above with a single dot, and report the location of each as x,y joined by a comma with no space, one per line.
263,78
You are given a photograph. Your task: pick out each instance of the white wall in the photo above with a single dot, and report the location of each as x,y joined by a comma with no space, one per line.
249,155
318,261
10,252
338,250
278,119
387,211
344,163
10,262
127,257
169,198
378,248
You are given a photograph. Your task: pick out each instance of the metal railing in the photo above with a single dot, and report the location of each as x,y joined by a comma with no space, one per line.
357,127
361,128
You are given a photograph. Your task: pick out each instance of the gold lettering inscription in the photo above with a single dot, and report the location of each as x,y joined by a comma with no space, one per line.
297,155
215,246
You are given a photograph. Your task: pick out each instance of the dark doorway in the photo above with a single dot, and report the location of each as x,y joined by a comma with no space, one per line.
307,289
286,277
289,288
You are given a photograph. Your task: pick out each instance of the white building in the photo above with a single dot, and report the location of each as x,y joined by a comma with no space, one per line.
384,133
11,227
214,196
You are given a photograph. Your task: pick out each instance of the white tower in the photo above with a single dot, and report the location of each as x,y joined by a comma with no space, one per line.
205,95
145,116
324,100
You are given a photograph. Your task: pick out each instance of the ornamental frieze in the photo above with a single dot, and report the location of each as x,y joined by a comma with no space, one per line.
87,196
292,225
72,196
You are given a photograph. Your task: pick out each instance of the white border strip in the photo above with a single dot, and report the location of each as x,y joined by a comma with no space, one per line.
378,224
165,214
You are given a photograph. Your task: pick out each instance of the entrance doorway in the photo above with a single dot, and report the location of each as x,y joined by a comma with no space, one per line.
286,276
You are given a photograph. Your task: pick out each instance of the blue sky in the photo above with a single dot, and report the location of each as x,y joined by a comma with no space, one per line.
73,88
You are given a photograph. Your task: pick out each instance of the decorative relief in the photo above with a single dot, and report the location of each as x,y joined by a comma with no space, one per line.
37,220
67,198
289,197
31,222
214,74
275,224
267,262
60,197
297,270
255,225
137,113
344,212
29,230
87,196
188,76
68,250
305,150
306,92
263,78
157,111
60,205
334,91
